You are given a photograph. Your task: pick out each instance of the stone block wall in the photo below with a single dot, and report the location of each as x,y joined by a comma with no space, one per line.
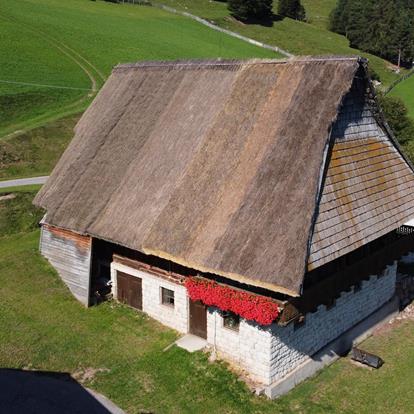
175,317
269,353
248,347
292,345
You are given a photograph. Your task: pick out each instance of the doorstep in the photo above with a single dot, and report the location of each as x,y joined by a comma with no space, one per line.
191,343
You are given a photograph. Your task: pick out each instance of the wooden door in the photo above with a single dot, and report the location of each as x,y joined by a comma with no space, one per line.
129,290
198,319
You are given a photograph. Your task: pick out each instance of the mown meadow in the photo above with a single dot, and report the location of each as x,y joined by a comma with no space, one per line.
75,44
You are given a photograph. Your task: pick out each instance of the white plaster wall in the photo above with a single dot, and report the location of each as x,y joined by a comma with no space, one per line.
175,317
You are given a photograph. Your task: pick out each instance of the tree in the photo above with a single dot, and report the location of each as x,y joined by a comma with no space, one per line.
396,114
382,27
251,9
292,9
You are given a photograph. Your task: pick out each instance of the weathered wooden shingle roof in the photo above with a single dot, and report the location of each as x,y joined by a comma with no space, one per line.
217,165
369,188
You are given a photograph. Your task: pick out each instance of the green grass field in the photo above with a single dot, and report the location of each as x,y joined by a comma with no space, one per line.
35,152
296,37
76,43
43,327
405,91
318,11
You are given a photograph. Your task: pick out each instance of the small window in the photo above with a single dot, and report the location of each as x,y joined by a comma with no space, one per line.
167,297
231,321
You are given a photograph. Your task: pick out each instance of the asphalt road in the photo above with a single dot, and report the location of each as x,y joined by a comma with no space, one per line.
23,181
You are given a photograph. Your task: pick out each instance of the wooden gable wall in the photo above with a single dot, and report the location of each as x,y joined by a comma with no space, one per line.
70,254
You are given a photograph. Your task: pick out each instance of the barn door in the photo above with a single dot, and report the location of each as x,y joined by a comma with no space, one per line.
129,290
198,319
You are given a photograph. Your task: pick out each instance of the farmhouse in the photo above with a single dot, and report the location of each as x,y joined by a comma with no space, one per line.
259,205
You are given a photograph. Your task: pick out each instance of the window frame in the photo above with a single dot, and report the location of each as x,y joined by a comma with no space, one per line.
228,314
166,296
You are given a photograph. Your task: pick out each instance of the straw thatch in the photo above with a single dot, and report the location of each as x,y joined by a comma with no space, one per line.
215,165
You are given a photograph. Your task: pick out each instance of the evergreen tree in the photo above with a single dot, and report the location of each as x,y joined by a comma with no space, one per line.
251,9
292,9
338,18
382,27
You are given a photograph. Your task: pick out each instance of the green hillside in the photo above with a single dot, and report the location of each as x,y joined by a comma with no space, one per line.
318,11
299,38
75,43
405,91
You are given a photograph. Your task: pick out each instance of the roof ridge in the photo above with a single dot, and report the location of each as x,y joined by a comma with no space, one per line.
231,62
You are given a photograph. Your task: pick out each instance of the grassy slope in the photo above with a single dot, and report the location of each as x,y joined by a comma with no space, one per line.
293,36
35,152
405,91
24,58
31,188
43,327
318,11
104,34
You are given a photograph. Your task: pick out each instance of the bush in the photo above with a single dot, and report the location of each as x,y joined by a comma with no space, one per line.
396,115
251,10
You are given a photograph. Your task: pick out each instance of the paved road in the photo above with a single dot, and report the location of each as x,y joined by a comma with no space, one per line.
23,181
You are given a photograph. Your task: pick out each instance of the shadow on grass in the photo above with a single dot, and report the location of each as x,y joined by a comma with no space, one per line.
266,22
46,393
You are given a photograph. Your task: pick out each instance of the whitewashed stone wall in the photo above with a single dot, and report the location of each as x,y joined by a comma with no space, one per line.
249,348
268,354
175,317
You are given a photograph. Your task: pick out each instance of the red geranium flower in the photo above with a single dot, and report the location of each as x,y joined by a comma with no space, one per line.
252,307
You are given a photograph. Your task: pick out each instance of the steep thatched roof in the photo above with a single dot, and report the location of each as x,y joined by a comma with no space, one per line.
216,165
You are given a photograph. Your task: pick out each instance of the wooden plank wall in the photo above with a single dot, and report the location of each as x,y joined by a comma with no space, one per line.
70,254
